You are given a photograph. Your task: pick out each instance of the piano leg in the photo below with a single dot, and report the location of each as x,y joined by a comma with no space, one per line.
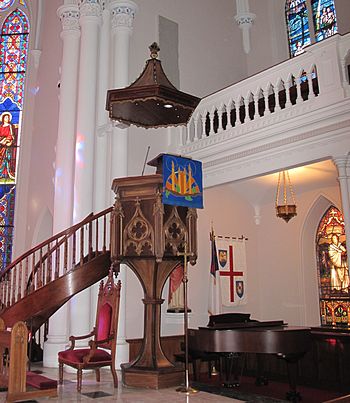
261,379
292,367
231,366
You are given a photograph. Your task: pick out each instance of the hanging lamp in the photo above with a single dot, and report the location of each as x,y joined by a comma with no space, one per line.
151,101
285,208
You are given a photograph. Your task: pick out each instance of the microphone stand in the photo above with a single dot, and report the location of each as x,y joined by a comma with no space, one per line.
187,388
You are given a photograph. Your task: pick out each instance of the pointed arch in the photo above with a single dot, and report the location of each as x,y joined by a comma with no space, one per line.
309,278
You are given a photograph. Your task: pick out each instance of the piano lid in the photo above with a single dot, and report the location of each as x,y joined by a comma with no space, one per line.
238,320
226,318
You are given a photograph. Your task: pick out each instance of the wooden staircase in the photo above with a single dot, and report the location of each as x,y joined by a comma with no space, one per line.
40,281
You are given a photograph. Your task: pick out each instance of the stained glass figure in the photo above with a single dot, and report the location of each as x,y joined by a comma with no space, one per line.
333,271
298,26
324,19
7,205
5,4
13,59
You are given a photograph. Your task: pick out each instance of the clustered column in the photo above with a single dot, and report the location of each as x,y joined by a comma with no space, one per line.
90,19
64,166
123,13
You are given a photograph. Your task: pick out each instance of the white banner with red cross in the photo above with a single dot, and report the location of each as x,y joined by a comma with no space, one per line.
232,270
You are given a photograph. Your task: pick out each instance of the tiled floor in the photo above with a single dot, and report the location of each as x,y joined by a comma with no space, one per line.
105,392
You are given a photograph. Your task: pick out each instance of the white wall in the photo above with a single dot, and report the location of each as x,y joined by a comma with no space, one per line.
282,278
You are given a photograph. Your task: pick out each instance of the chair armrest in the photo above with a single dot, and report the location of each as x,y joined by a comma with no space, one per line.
72,339
94,344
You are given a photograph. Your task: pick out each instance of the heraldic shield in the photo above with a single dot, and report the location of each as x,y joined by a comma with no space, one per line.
222,257
240,288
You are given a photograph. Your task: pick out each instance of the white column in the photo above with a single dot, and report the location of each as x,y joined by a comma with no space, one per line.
64,168
102,183
123,13
244,20
90,16
343,166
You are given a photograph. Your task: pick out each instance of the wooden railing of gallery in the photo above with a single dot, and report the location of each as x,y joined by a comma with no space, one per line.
317,77
55,258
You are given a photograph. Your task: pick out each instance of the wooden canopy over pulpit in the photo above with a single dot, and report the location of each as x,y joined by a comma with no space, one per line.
148,237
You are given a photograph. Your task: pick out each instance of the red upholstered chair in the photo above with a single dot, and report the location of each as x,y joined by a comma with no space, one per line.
103,337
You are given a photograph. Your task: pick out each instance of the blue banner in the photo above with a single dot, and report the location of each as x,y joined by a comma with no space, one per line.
182,182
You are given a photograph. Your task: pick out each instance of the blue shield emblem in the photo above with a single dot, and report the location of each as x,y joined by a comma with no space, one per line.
222,257
240,288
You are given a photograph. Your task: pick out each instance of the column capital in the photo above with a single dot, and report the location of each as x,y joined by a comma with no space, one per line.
245,19
343,166
90,8
69,17
123,14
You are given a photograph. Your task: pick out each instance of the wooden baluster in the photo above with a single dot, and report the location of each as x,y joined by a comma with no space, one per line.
49,264
96,238
104,233
90,241
14,282
82,246
41,269
26,269
65,262
5,291
9,289
20,277
74,250
1,296
57,261
34,278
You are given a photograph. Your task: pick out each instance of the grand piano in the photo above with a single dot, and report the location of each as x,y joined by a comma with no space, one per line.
231,334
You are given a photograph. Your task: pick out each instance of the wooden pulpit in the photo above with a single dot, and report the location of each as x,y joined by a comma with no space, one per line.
148,236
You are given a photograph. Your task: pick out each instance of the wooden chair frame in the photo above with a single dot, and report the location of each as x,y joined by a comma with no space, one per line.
108,294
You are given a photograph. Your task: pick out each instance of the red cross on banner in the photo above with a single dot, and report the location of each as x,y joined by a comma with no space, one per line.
231,274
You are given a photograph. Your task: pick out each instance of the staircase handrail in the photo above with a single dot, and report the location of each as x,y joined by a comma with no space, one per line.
64,234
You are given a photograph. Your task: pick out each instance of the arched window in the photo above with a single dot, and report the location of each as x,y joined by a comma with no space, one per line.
298,26
13,61
333,271
323,22
324,19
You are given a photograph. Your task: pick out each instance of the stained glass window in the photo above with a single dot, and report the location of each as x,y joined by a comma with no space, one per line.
4,4
298,26
324,19
333,271
13,59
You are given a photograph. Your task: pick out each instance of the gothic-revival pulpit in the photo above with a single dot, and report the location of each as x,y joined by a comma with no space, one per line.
148,236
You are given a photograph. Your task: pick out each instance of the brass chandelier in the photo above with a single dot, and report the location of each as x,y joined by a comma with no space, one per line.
285,201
